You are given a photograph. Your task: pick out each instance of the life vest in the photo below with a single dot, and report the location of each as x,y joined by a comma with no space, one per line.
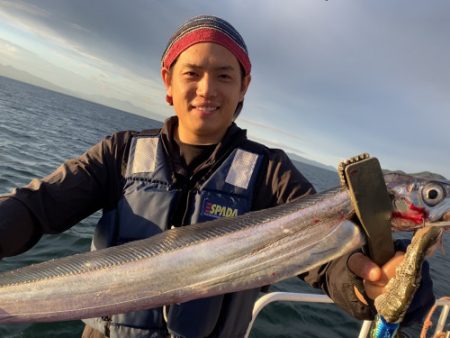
149,199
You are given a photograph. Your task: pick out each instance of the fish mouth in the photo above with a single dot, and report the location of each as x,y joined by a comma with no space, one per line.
408,212
409,217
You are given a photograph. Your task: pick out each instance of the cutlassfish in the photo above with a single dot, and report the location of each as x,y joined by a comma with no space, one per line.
201,260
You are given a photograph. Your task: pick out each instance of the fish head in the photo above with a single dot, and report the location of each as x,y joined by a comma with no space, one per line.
418,200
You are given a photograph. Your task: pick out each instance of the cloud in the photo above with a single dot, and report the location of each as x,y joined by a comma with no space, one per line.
7,48
20,6
12,54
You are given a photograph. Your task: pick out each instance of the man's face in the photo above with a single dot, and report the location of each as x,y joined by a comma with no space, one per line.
206,85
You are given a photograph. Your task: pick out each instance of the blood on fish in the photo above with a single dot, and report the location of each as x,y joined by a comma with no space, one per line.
423,211
415,214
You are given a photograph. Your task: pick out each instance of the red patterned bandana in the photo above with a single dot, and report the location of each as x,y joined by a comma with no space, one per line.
206,29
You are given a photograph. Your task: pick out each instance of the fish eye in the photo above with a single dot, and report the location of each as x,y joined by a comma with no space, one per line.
432,194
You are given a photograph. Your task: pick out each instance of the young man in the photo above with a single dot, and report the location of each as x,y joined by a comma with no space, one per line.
147,182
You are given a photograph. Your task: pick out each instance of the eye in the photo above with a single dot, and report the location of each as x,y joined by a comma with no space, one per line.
432,194
190,74
225,76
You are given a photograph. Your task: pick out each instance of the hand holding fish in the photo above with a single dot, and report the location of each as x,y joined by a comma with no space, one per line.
374,277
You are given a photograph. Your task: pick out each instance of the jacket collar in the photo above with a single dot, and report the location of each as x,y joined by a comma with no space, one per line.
233,138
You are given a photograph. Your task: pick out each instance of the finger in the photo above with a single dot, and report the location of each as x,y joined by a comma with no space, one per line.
373,290
363,267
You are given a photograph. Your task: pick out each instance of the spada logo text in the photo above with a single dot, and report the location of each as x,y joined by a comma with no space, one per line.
217,210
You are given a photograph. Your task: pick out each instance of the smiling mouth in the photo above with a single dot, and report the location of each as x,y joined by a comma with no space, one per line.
207,109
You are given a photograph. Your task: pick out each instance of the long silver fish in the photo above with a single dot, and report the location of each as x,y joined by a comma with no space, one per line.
201,260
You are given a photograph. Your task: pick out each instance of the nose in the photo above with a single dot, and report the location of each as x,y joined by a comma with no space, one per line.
206,86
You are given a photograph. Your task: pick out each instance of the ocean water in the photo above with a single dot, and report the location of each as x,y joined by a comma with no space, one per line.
39,129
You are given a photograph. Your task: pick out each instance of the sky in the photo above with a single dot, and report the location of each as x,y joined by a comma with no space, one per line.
330,79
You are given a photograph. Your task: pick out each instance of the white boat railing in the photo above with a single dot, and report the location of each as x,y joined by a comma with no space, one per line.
440,330
315,298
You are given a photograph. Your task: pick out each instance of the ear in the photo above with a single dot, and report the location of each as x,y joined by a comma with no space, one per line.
245,83
167,80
